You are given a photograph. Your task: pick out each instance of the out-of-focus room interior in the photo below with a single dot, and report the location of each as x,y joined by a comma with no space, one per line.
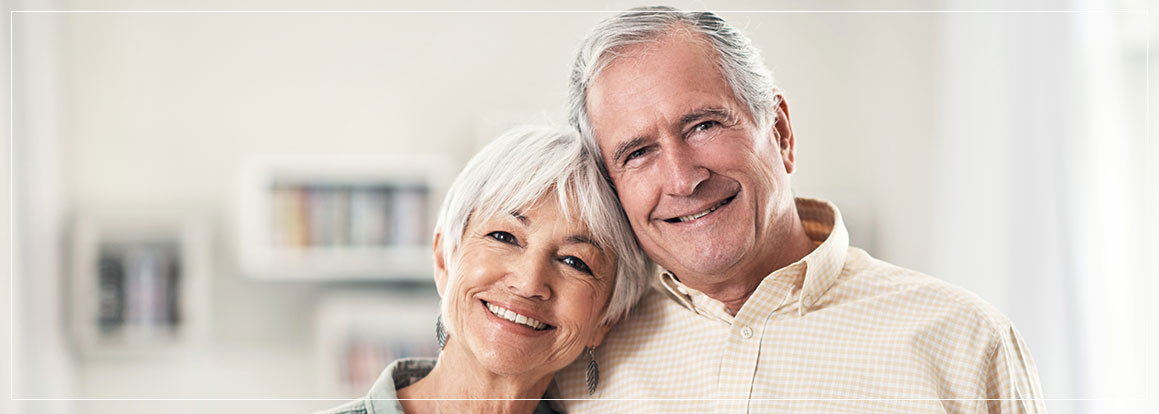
227,206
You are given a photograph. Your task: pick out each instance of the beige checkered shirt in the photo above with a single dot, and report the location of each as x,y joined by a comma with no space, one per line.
836,332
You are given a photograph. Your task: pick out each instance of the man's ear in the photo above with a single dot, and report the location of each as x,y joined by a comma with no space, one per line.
783,131
440,264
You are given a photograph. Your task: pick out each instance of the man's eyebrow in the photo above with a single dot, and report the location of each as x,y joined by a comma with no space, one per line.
695,115
625,146
704,113
519,217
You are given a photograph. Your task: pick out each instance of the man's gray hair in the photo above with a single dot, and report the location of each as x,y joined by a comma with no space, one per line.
740,63
526,164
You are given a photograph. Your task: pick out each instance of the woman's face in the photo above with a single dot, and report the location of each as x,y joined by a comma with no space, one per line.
529,290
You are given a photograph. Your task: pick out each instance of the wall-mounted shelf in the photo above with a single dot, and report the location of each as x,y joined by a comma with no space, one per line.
360,333
340,217
140,283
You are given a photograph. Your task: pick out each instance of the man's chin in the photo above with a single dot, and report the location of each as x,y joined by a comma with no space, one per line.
708,266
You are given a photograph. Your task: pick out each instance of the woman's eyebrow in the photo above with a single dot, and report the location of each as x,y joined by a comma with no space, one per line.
578,238
520,217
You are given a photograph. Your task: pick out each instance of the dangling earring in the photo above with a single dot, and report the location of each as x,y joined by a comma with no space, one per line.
440,332
593,375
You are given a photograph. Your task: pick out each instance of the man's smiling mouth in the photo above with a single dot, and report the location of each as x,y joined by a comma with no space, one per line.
691,217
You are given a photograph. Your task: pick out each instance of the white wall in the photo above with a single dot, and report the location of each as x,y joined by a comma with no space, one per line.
42,366
6,324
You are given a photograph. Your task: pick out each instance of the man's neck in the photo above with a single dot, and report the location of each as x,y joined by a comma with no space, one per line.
734,287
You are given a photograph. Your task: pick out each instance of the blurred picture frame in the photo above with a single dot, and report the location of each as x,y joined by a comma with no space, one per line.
140,282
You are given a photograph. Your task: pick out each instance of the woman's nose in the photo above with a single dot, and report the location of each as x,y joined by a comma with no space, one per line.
530,278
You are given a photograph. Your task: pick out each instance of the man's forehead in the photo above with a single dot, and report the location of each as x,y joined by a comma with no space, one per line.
654,83
624,110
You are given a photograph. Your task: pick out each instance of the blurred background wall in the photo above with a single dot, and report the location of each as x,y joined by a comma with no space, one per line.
1004,152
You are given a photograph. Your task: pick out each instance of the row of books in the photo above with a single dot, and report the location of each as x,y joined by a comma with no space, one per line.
311,215
365,354
139,287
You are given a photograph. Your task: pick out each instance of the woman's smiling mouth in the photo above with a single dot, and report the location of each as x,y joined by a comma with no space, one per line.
510,315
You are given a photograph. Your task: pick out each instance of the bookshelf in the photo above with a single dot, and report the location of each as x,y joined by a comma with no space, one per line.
339,217
360,333
139,283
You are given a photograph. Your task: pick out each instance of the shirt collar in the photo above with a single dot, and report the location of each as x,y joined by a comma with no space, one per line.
813,275
693,299
383,395
823,224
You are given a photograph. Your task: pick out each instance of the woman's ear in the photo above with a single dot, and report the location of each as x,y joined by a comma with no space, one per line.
440,264
601,332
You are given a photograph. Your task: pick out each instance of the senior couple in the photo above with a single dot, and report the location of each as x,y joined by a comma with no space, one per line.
683,152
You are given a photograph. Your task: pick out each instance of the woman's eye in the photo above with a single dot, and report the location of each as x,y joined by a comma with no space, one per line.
502,236
576,264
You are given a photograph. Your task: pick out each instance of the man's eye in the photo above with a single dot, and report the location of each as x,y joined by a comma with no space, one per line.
703,126
576,264
636,154
503,236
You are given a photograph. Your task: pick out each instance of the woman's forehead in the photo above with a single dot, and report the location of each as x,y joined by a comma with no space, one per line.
548,210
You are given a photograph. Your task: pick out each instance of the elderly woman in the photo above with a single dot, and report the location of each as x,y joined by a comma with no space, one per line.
534,261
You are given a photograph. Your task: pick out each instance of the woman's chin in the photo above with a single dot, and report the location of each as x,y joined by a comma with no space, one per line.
507,361
516,359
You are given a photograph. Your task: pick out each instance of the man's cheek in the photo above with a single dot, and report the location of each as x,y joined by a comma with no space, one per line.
636,202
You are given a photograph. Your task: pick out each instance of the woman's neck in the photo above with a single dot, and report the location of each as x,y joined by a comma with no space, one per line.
474,388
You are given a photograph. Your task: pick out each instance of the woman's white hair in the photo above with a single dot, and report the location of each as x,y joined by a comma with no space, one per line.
522,166
740,63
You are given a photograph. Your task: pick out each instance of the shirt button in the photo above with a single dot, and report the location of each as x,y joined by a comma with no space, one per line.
746,332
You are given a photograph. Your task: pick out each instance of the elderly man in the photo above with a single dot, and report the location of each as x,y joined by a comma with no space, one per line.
762,306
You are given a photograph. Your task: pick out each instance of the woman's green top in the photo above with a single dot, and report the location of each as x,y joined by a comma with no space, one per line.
383,396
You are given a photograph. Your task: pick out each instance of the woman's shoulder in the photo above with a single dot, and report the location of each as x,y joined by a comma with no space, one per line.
406,371
383,397
352,407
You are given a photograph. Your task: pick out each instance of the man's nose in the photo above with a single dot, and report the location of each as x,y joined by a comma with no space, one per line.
684,173
529,278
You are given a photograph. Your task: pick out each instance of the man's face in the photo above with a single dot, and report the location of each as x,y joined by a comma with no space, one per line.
706,192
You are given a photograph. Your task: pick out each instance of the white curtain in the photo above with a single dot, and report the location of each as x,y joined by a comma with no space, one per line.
1040,192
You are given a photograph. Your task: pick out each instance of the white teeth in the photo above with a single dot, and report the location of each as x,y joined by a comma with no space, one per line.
697,215
685,219
515,317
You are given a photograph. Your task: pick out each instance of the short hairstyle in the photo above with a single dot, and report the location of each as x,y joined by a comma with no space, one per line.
524,165
740,63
